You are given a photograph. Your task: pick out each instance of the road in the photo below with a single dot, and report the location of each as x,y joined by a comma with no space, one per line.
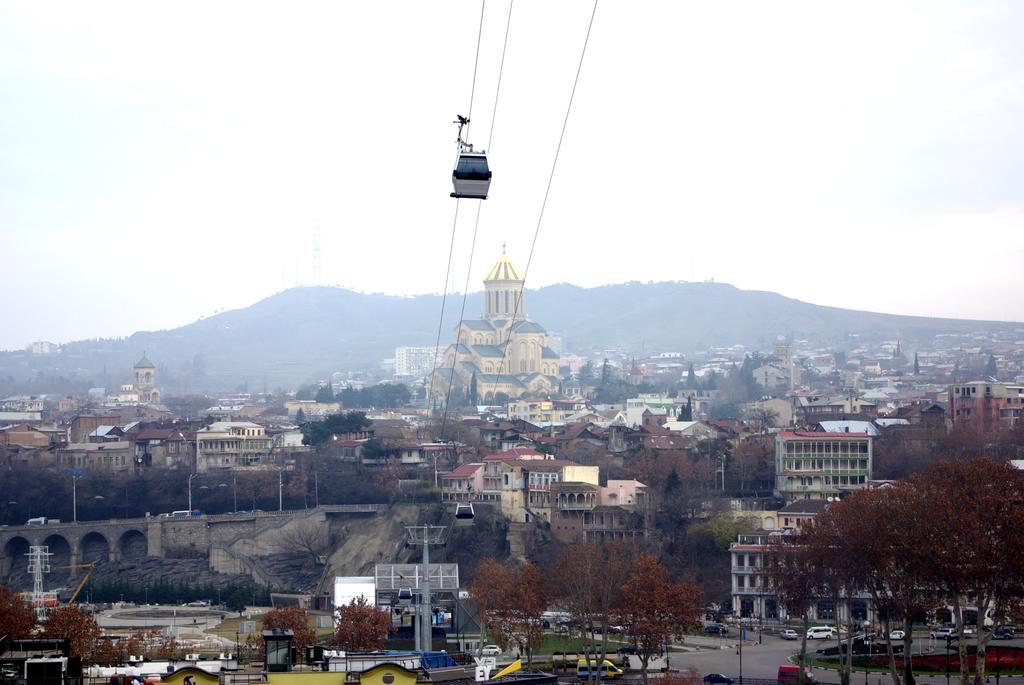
763,660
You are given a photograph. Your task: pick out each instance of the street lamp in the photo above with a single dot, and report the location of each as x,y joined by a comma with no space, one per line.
870,645
280,489
190,477
74,498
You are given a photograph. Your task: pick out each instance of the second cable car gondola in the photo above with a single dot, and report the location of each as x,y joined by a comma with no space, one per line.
471,177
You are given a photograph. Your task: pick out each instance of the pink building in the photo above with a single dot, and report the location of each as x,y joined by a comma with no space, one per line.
464,484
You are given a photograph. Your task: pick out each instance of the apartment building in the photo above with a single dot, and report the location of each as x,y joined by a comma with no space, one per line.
985,406
812,465
230,444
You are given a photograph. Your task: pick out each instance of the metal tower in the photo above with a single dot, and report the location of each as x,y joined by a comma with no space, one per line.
425,536
38,564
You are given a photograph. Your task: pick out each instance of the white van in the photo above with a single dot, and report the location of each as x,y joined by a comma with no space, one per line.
38,521
821,633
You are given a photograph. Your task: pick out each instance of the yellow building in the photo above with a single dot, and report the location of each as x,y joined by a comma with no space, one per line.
507,351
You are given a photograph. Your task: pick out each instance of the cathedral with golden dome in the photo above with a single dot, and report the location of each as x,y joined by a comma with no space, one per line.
507,351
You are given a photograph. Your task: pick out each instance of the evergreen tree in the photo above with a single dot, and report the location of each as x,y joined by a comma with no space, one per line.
324,394
917,366
300,417
672,482
606,370
473,398
991,370
691,377
687,412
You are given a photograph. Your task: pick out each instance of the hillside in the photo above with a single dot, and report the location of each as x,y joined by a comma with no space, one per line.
305,333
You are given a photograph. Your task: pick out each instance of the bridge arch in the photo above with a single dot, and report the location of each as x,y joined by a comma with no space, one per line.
133,544
60,558
14,563
93,548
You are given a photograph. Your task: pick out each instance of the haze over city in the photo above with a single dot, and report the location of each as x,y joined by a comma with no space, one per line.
158,166
510,342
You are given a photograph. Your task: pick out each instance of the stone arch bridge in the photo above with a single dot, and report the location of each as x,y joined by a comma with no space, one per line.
228,541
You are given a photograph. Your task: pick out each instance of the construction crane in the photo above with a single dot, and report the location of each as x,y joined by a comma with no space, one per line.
81,584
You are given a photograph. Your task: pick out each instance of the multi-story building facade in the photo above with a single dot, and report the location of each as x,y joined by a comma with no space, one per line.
541,411
811,465
415,361
985,406
754,597
230,444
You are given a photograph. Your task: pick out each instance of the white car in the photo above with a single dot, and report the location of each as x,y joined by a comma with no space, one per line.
788,634
491,650
897,635
821,633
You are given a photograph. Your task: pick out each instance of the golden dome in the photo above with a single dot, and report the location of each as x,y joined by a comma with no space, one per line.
503,270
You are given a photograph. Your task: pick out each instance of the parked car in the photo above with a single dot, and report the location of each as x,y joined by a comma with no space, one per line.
821,632
626,649
1003,633
969,631
942,633
718,679
491,650
897,635
716,629
788,634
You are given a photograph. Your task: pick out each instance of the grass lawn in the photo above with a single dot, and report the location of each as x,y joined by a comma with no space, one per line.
563,644
229,627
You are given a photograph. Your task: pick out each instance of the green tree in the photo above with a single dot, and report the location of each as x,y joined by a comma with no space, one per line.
473,397
300,417
917,366
691,377
991,370
324,395
317,433
686,414
586,373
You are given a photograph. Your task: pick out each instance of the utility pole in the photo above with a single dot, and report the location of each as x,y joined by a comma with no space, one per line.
190,477
280,491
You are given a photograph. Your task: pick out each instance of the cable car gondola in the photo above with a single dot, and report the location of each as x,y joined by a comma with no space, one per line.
471,177
464,511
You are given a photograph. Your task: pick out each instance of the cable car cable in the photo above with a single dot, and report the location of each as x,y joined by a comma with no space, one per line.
476,224
476,63
444,298
455,222
547,191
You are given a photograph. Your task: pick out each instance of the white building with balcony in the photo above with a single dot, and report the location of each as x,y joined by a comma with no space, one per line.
231,444
814,465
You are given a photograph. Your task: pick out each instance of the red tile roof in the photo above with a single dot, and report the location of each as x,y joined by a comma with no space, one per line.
463,471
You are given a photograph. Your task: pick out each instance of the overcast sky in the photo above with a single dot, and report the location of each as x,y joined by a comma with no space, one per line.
162,162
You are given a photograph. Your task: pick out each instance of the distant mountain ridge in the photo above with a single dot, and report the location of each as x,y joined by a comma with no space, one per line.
305,333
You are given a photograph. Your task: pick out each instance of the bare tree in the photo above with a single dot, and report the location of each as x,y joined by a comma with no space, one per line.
307,538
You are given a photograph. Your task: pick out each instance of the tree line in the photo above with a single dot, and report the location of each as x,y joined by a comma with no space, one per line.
947,539
597,585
